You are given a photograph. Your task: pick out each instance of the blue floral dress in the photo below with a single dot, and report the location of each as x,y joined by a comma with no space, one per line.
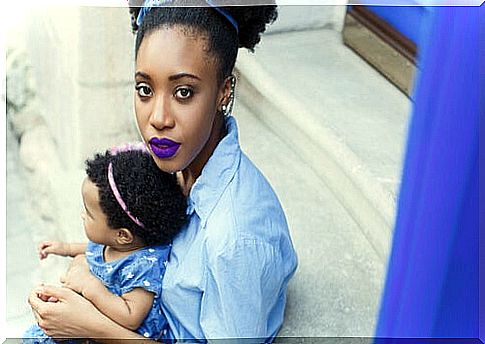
141,269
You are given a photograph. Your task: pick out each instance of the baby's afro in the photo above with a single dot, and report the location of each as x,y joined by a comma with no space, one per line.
151,195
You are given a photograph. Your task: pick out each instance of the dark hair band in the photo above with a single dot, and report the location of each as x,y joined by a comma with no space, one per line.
149,4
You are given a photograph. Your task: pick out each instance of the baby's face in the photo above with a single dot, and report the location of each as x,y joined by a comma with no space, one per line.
94,219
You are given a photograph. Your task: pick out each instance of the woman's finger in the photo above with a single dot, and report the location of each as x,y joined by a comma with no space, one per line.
36,304
36,315
71,316
34,297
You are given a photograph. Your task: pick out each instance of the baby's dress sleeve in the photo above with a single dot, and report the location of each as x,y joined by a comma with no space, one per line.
144,271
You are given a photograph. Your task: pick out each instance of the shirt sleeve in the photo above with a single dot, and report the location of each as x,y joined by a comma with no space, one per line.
144,272
242,286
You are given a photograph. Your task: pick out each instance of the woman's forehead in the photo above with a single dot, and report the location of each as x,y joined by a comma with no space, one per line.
175,49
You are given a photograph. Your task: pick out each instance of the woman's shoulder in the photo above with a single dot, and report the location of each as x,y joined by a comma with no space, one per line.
248,209
251,193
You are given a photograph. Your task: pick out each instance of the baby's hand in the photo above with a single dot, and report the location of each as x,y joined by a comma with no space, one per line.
53,247
44,297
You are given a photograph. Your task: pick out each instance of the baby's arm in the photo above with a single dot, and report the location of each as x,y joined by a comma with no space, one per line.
61,248
129,310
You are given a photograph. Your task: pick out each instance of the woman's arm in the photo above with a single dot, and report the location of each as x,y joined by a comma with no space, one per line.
129,310
74,316
244,291
61,248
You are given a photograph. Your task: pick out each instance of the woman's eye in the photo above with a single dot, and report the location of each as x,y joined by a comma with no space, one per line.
143,90
184,93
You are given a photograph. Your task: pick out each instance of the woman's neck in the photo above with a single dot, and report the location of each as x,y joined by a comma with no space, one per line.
189,175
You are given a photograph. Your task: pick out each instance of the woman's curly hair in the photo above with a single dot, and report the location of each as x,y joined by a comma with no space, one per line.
223,38
151,195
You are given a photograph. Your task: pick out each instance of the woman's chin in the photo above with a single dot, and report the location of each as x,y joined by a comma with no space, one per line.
168,165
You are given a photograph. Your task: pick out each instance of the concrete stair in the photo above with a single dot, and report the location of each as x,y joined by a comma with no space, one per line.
329,132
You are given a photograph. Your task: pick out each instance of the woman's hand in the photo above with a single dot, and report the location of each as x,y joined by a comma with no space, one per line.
78,277
70,315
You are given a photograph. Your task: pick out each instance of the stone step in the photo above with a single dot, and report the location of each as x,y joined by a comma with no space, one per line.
340,115
337,286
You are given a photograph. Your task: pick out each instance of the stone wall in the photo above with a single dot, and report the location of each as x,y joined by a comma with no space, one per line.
69,94
39,164
295,17
83,62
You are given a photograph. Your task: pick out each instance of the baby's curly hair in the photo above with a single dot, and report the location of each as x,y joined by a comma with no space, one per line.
223,38
151,195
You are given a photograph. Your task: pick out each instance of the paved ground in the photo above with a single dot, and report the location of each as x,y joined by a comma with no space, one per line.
336,290
344,94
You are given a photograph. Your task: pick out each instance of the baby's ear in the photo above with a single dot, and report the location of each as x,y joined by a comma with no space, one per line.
124,236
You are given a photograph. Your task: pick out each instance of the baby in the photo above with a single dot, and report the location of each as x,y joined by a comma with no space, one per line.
132,211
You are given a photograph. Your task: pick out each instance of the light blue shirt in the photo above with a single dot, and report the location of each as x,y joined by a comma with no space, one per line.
229,267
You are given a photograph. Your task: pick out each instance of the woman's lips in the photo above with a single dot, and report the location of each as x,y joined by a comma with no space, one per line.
163,148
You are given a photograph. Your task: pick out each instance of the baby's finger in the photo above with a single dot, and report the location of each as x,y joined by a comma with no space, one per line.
48,250
44,253
43,297
59,293
44,244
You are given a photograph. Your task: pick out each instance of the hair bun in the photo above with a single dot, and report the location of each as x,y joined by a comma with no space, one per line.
252,21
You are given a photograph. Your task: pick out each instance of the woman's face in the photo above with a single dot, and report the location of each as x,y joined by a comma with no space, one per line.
176,97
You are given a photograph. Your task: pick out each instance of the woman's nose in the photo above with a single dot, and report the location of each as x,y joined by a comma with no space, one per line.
161,116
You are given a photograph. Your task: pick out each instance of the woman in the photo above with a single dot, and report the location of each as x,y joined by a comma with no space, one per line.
229,268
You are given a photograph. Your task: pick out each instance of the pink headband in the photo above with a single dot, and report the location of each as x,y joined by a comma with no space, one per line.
117,195
136,146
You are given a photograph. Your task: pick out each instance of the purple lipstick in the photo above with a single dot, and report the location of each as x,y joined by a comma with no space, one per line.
163,148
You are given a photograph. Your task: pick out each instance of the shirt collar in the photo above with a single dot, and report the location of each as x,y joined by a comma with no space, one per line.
216,174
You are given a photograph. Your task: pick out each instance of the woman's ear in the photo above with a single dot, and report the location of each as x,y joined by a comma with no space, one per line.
124,236
225,93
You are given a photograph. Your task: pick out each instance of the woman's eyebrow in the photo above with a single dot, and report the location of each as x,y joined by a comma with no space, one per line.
142,75
183,75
